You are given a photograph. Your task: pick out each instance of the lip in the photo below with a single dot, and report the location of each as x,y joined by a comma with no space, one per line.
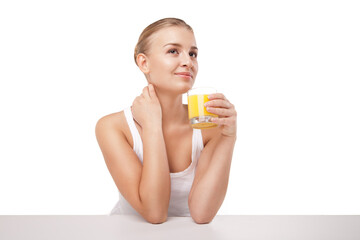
184,74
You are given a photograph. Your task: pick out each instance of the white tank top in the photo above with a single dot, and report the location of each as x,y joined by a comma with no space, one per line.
181,182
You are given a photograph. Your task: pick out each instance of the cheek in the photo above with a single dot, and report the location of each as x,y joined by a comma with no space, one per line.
161,70
164,64
196,68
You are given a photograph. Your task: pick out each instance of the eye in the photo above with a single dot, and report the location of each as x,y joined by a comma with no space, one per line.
173,51
193,54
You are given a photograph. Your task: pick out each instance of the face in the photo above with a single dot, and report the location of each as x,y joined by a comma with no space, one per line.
172,59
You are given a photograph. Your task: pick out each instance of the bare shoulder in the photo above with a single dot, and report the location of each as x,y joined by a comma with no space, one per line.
111,121
114,122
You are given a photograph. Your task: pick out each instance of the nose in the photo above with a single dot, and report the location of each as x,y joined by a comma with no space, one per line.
186,61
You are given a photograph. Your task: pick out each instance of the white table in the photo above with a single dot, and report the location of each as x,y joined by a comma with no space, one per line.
222,227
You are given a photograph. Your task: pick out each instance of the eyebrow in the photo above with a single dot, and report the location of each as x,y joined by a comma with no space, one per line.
179,45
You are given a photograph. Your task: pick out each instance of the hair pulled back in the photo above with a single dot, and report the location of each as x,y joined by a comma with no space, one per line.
143,42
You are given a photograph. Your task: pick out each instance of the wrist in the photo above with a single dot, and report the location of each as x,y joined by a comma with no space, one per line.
152,126
229,137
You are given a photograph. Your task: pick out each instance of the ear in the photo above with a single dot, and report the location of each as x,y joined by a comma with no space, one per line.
142,62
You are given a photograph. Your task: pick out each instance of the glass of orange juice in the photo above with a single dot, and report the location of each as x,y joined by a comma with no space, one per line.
198,116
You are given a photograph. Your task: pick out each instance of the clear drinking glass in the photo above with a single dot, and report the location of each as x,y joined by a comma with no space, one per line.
198,116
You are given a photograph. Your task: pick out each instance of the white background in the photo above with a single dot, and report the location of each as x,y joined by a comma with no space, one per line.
292,69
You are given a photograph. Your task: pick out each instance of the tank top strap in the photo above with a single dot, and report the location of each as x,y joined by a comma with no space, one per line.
137,142
197,144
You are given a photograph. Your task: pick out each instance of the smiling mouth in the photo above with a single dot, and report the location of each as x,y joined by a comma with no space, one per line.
184,74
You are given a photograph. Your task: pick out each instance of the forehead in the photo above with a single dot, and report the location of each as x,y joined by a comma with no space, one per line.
167,35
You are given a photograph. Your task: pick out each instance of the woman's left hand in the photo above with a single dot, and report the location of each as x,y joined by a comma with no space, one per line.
219,105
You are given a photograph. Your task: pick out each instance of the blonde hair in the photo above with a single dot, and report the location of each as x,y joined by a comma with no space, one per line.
143,42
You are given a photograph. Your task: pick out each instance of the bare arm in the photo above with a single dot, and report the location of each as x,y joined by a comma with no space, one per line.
212,175
211,180
145,186
155,185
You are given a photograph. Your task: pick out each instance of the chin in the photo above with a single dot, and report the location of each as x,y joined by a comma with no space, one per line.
185,88
181,87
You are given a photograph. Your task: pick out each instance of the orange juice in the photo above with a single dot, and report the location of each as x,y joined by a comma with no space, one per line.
199,117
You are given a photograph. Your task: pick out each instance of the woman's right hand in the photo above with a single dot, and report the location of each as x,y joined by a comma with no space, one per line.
146,108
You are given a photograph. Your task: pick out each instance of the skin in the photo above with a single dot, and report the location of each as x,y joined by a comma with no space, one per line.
162,121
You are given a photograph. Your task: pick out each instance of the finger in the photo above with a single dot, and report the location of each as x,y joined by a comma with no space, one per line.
217,96
152,92
145,92
229,121
225,112
137,99
218,103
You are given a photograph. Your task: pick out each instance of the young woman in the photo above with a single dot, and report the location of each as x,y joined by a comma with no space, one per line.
161,165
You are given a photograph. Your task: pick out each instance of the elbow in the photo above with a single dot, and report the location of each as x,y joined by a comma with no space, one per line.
155,216
154,219
201,217
155,213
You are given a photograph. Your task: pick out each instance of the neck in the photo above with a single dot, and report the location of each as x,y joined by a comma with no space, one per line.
173,111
